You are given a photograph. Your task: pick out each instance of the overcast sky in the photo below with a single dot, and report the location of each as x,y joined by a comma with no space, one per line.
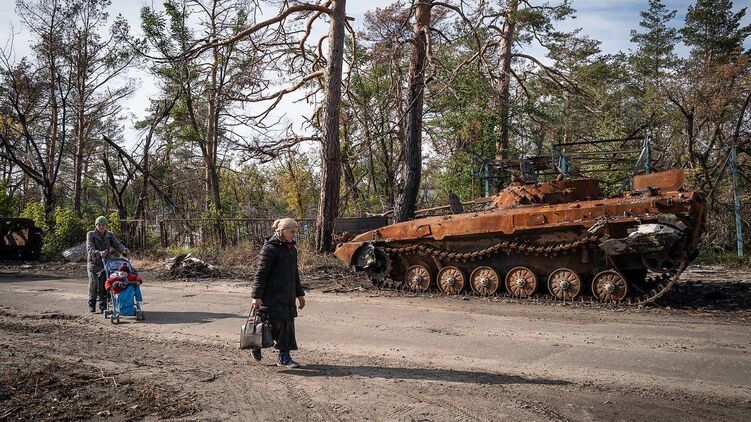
609,21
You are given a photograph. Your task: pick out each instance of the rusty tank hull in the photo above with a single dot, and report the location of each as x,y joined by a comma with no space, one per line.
19,239
563,238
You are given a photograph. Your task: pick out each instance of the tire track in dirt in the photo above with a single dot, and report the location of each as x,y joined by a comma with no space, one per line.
319,409
446,406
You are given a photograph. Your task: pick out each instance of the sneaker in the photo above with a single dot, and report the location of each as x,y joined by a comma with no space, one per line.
256,353
92,309
292,363
286,361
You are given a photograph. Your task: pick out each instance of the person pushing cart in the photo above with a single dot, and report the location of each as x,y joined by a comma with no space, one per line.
99,242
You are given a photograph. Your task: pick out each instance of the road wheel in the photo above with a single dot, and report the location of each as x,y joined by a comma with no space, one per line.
418,278
484,281
450,280
521,282
609,286
564,284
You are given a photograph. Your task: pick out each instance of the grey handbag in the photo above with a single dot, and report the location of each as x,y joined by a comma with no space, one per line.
255,333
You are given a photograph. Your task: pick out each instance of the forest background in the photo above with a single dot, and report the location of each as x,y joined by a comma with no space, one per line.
405,106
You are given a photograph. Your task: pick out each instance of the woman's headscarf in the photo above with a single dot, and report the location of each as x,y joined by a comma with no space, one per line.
283,224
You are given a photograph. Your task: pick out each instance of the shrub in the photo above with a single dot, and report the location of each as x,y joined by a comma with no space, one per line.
69,230
8,204
35,212
113,225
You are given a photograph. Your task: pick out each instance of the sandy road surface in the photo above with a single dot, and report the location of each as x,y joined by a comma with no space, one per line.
383,358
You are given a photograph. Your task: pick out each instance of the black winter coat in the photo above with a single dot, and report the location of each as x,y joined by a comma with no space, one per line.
277,281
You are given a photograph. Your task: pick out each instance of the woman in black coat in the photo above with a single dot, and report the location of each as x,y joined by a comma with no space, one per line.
275,288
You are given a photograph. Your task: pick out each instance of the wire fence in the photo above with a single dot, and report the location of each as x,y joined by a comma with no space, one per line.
205,232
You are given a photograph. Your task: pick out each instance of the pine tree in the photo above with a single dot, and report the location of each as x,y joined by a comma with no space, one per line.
713,30
656,42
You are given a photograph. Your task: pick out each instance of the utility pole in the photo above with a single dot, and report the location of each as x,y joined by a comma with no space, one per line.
736,194
647,151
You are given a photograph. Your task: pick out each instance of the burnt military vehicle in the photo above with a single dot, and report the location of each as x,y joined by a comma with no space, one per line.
565,238
20,239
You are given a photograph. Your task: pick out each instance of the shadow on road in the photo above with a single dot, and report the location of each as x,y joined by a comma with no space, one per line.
174,317
14,277
422,374
713,295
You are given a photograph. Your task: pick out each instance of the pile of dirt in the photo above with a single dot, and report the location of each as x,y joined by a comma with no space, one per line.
188,266
52,389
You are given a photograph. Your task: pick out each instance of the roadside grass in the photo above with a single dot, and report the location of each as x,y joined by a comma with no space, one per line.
726,259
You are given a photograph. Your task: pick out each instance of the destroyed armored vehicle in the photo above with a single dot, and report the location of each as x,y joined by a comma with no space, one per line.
564,238
20,239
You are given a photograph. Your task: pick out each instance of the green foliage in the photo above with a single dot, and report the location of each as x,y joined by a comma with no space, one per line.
8,204
35,212
114,222
657,41
68,230
729,259
296,184
457,177
65,231
244,192
713,30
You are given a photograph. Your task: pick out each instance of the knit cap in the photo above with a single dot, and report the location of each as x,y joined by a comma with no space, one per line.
285,223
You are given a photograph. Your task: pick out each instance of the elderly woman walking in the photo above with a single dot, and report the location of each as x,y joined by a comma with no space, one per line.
275,288
98,244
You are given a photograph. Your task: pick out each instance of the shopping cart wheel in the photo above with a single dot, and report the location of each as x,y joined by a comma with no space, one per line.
112,319
118,319
140,317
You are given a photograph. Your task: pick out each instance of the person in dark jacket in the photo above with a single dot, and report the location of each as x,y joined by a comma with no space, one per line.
275,288
98,245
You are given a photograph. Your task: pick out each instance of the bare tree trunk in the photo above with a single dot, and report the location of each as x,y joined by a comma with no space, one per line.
212,177
212,134
52,131
143,193
328,204
117,193
412,149
350,183
503,84
160,114
78,161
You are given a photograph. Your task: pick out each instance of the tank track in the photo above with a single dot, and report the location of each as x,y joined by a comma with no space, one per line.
507,247
663,282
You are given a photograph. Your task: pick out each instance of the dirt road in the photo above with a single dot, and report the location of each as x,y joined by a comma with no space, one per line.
368,356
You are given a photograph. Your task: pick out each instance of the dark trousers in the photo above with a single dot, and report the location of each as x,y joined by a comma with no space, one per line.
283,333
96,287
